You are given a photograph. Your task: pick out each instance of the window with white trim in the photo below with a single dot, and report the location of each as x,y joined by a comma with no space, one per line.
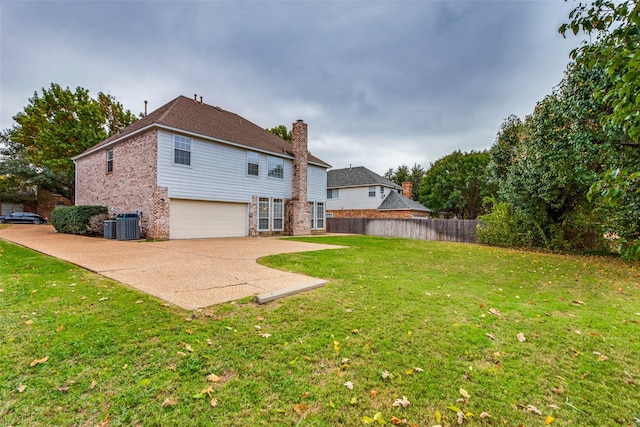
381,192
372,191
109,161
181,150
317,215
333,193
278,214
253,163
263,214
275,167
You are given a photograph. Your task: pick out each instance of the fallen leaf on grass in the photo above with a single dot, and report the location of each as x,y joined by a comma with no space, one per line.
214,402
299,408
188,347
373,393
38,361
213,378
531,408
491,336
92,385
485,415
495,312
601,357
265,335
521,337
398,422
103,299
385,375
63,389
464,393
549,419
21,388
169,402
577,302
418,369
460,416
349,385
29,322
404,402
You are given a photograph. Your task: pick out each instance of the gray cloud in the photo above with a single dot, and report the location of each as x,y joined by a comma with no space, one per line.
380,83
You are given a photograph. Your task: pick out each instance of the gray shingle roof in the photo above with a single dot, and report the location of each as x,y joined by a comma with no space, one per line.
357,176
189,115
396,201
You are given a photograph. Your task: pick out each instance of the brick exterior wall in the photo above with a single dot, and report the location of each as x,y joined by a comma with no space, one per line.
297,211
48,201
131,186
374,213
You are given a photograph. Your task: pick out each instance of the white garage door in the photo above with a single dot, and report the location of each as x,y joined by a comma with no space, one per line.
193,219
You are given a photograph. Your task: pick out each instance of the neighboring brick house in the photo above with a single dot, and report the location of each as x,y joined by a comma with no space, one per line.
35,200
195,170
357,192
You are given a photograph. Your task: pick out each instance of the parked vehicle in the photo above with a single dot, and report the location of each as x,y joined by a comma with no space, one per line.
23,218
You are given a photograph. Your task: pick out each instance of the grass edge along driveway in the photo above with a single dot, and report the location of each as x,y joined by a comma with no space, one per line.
407,333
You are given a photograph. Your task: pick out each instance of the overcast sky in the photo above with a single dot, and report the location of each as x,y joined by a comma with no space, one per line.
379,83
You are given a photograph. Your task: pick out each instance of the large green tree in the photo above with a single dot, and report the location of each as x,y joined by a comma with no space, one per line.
616,49
282,132
404,174
457,183
56,125
545,166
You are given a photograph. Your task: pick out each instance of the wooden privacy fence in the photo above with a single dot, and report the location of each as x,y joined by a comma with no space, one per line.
447,230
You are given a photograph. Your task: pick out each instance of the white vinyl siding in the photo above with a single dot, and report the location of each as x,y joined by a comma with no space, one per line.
193,219
218,172
316,183
355,198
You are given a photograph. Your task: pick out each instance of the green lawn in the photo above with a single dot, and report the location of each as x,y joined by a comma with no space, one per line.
430,325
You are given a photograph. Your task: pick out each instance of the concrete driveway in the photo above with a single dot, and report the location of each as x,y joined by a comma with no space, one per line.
188,273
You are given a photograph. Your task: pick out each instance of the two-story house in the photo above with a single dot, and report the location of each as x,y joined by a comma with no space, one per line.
357,192
193,170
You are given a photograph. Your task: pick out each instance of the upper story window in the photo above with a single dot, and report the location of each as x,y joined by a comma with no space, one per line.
253,163
333,193
275,166
109,161
381,192
372,191
181,150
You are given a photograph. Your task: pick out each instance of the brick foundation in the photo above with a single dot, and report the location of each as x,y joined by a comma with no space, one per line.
374,213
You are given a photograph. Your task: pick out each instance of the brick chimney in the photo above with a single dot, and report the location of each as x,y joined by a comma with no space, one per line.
300,211
407,189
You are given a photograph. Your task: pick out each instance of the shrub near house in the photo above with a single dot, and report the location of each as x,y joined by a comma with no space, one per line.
82,220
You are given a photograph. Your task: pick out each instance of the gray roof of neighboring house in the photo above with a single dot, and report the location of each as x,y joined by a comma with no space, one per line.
195,117
395,201
357,176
